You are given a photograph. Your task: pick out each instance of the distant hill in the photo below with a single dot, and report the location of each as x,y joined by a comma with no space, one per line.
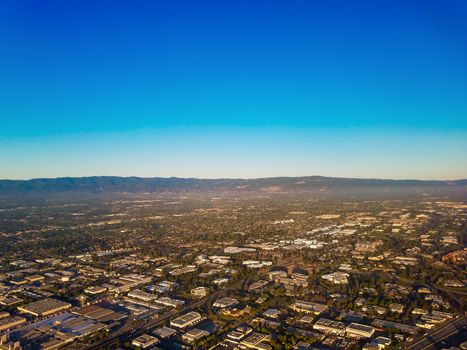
307,184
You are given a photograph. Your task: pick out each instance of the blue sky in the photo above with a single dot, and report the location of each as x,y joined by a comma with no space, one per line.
233,88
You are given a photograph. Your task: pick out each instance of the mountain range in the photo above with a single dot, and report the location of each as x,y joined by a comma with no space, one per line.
306,184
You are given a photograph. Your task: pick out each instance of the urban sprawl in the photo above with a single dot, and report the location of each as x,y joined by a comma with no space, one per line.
223,272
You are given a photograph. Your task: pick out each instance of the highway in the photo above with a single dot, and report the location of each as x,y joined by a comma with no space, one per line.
434,337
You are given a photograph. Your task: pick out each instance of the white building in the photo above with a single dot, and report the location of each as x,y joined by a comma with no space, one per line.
225,302
357,330
337,277
187,320
145,341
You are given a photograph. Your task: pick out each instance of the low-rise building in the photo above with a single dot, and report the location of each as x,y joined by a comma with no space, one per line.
145,341
225,302
418,311
328,326
239,333
308,307
337,277
11,322
9,300
405,260
194,335
357,330
381,342
7,344
187,320
44,307
199,292
34,278
100,313
395,307
58,331
164,332
166,301
138,294
256,341
93,290
258,286
307,319
405,328
272,313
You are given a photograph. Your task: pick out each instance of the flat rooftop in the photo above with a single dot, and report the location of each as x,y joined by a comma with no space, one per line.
44,307
100,313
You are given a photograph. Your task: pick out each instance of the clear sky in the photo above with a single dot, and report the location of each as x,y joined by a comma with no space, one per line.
233,88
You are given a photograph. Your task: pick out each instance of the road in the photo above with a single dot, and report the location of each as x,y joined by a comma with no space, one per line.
434,337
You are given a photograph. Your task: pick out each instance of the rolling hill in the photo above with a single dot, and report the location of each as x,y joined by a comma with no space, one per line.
307,184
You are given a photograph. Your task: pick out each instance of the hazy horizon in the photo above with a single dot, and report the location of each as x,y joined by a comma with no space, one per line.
228,178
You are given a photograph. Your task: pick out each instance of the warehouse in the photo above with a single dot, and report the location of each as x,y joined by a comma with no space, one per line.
138,294
308,307
329,326
357,330
164,332
100,314
44,307
10,322
166,301
187,320
58,331
194,334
